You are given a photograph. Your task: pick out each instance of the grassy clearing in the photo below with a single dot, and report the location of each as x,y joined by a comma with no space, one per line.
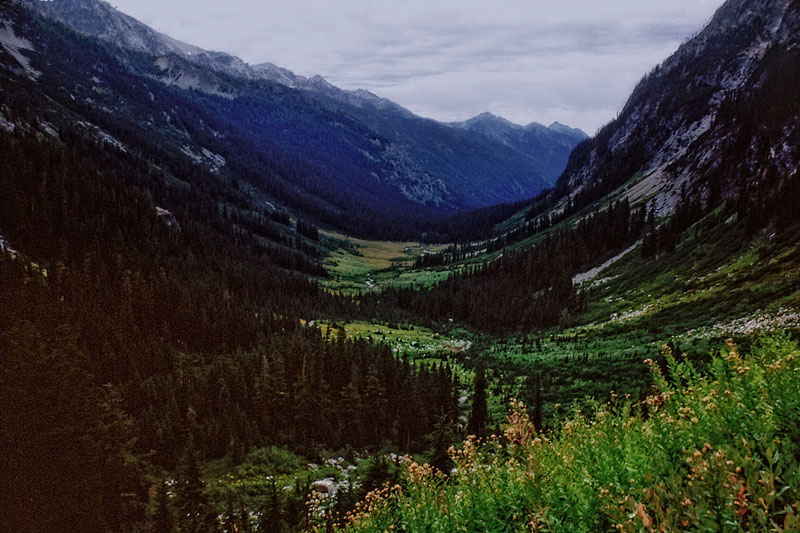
420,345
254,476
713,450
359,265
412,341
576,366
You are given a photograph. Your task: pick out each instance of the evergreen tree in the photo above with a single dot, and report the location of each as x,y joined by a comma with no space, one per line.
195,513
441,439
479,414
244,519
378,473
229,517
162,520
270,518
67,456
352,422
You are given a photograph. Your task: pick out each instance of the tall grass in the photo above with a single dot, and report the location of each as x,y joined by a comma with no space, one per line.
712,450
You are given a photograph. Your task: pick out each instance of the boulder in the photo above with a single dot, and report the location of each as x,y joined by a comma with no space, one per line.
327,486
168,219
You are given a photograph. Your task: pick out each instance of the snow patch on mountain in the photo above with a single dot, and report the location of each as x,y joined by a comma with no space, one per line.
14,45
205,158
583,277
103,135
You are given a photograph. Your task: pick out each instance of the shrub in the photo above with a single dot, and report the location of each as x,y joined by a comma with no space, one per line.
715,450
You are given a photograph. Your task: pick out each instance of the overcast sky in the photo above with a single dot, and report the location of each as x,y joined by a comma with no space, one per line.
572,61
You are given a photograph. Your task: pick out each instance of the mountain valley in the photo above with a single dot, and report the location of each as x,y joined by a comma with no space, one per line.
239,299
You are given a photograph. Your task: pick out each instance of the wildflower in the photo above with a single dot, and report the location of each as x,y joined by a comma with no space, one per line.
641,513
741,500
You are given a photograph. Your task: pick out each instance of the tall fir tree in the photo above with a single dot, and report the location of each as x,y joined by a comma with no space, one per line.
478,417
195,513
162,520
441,440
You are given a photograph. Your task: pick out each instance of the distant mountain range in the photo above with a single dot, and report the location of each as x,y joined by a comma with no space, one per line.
337,156
546,146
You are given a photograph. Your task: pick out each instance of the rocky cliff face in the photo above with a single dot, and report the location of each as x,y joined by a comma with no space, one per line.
678,126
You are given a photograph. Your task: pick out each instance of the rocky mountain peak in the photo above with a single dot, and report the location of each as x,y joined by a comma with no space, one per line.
100,19
663,133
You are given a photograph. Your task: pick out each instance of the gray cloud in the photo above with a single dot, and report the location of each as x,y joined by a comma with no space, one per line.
574,61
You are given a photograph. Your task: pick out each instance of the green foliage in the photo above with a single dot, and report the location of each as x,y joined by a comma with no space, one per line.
716,274
264,462
440,440
127,335
713,450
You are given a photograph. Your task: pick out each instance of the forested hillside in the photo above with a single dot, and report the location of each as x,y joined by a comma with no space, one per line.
128,339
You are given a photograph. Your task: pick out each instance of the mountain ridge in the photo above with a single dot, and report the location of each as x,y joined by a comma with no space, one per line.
376,112
676,127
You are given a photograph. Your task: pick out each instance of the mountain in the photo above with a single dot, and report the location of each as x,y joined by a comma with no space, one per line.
716,118
101,20
701,164
413,167
547,147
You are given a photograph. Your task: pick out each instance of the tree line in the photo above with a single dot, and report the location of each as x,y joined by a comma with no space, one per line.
522,289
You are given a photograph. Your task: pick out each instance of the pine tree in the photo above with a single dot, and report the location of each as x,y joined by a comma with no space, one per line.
244,519
352,406
229,517
441,439
194,510
374,410
270,519
162,520
478,417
